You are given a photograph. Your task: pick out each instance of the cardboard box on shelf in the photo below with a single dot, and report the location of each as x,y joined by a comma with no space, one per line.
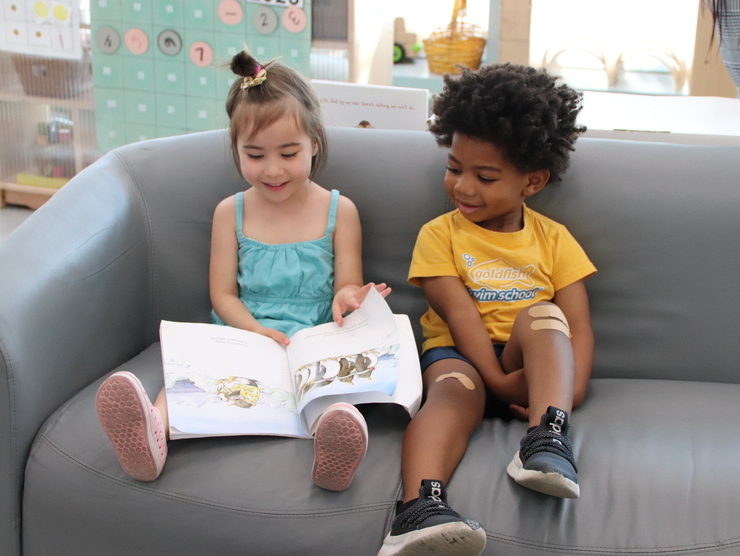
53,77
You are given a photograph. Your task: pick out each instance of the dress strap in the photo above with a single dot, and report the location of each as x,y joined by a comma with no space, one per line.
332,212
239,214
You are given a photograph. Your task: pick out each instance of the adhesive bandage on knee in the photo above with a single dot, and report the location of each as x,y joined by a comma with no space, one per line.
549,317
464,380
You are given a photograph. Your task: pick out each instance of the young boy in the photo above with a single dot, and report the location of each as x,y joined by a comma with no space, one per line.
508,321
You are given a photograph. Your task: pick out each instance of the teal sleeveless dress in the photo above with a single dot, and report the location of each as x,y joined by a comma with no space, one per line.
287,286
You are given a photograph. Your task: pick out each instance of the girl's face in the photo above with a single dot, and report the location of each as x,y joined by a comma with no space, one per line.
486,187
277,160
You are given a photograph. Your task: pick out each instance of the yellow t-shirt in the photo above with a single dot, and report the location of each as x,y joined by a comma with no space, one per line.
504,272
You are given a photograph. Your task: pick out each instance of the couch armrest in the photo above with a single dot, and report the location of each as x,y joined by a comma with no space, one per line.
75,302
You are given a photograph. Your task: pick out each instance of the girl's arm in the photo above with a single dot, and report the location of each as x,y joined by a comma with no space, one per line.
573,301
348,289
450,299
223,286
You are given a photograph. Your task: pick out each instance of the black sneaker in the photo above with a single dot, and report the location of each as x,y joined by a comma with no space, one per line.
429,526
545,460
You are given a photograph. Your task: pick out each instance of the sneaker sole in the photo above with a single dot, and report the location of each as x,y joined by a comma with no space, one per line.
553,484
340,445
450,539
123,408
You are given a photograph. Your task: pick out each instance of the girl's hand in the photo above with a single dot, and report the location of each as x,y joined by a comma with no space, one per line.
383,289
350,298
276,335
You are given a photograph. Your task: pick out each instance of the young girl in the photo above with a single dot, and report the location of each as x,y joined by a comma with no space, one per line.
285,255
508,322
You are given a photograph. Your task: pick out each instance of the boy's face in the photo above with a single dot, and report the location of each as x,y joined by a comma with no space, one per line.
486,187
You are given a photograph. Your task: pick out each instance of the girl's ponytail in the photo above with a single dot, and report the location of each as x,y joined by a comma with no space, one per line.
264,93
243,64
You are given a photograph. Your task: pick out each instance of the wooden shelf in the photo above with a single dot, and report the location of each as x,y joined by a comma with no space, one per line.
31,196
16,94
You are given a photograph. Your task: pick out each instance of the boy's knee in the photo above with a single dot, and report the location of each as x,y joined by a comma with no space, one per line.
462,378
548,316
455,386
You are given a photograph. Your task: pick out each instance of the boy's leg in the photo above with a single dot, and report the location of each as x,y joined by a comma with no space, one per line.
540,343
433,445
437,436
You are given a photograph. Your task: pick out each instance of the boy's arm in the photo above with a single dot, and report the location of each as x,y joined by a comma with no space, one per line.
573,301
450,299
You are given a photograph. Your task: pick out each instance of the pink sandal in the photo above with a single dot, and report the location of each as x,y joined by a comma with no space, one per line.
340,445
133,425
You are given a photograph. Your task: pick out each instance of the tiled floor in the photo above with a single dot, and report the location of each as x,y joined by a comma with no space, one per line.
10,218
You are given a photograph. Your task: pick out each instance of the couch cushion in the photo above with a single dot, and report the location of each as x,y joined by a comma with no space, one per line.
657,467
246,494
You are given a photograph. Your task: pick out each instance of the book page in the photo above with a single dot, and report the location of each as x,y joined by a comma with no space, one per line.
408,389
223,381
360,356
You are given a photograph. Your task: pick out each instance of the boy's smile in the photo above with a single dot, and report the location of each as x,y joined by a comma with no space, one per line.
485,187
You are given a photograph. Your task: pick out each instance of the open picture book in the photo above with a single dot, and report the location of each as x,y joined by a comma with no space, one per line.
223,381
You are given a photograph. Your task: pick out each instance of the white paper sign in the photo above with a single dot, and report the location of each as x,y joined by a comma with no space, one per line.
372,106
41,28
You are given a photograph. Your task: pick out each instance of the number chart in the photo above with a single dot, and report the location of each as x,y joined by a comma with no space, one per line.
160,67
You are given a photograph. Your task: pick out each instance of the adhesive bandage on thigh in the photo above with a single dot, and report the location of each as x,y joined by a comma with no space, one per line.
549,317
464,380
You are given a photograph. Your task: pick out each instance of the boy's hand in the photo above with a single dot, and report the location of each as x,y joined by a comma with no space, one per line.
511,388
519,412
350,298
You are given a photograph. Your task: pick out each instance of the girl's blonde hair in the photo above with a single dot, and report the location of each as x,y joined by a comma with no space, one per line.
258,103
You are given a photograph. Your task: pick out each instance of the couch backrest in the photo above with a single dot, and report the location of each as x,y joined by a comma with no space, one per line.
659,221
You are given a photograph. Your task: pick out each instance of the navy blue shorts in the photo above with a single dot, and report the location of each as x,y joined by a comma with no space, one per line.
450,352
494,406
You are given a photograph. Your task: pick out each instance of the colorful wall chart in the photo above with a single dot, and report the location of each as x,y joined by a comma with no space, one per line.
160,67
40,28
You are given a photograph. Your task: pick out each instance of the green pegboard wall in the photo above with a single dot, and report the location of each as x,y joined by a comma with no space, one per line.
159,66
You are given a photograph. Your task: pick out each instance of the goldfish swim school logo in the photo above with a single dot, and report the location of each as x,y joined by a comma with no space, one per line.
501,281
499,274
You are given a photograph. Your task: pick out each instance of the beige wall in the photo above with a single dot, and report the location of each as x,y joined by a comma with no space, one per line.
514,38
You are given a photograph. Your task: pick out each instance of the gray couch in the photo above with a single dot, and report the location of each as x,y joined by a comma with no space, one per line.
86,280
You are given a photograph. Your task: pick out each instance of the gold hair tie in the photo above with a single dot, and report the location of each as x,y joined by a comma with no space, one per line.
260,74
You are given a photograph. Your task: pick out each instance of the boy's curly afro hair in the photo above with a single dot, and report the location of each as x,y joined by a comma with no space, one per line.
519,109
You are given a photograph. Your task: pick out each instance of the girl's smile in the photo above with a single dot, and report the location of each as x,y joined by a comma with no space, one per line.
276,160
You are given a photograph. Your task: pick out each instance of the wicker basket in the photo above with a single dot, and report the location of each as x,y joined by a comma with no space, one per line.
457,44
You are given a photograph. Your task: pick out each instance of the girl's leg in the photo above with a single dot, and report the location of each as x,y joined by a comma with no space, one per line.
161,404
540,344
133,425
340,444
